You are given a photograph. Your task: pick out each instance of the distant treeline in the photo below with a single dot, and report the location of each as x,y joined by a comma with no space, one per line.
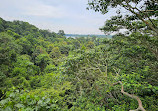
90,35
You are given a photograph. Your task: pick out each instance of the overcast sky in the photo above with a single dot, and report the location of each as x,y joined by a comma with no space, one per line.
68,15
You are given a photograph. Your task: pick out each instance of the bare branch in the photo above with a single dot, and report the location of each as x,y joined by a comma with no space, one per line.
117,72
140,106
129,7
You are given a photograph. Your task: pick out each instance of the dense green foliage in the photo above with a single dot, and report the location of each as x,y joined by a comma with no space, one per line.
44,71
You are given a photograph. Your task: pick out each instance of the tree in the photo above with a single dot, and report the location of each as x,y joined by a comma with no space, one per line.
136,50
142,22
24,67
55,53
61,32
26,45
8,49
90,45
42,60
2,24
141,9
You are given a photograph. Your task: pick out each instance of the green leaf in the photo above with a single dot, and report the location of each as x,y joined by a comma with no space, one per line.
12,95
8,109
40,102
3,102
29,109
19,105
47,100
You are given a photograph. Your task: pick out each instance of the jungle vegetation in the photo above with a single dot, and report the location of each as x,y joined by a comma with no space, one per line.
42,70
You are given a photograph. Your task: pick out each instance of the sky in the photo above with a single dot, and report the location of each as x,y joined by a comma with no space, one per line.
54,15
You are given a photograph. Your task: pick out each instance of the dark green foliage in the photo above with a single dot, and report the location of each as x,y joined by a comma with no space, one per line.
61,32
9,49
44,71
20,100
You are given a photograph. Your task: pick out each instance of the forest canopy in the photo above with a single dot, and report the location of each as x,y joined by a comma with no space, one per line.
42,70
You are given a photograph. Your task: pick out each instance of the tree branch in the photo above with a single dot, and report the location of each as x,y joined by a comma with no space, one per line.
140,106
147,16
129,7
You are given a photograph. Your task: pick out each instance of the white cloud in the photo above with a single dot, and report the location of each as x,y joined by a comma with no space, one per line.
69,15
44,11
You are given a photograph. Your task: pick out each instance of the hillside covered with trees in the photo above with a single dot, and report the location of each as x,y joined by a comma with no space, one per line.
44,71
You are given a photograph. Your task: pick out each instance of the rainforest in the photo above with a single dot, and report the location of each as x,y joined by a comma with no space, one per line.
41,70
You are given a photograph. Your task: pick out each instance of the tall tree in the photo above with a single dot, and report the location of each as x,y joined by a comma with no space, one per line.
61,32
143,10
142,22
